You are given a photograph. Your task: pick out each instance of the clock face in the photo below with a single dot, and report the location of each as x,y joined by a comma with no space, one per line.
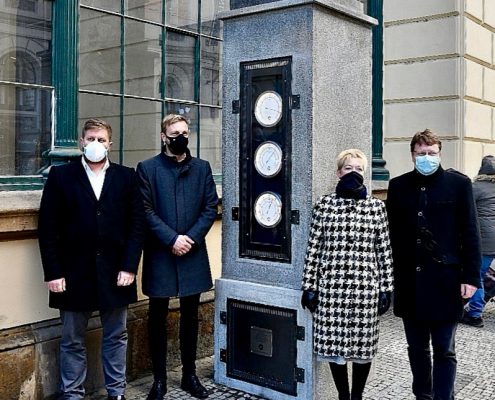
268,108
268,209
268,159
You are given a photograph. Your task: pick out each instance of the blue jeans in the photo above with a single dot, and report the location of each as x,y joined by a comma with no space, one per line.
477,303
433,377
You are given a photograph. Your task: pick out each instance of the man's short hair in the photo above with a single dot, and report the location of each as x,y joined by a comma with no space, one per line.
426,137
350,153
95,123
172,119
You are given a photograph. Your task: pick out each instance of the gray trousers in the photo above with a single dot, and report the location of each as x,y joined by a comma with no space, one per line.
73,364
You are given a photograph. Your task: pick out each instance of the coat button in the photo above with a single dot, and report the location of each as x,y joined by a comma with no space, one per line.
418,241
423,189
418,268
420,213
98,212
98,253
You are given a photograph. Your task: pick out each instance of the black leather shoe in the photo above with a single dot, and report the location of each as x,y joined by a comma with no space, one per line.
191,384
158,390
477,322
119,397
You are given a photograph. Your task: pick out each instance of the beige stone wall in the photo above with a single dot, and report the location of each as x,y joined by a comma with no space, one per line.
439,73
23,294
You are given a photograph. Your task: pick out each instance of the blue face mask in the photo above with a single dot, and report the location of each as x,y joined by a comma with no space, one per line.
427,165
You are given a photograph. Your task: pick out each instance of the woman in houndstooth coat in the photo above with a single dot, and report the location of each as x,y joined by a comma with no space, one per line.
347,280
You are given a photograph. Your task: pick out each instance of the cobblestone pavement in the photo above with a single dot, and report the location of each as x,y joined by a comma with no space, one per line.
391,377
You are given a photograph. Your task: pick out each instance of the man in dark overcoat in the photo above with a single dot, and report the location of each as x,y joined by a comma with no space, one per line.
436,249
91,233
180,202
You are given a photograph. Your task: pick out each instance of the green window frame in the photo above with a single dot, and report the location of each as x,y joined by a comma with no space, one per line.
27,95
166,98
65,74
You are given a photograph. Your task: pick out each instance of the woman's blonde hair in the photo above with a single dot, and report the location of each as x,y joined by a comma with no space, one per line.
350,153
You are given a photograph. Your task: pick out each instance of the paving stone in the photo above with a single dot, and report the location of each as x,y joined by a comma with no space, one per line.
391,380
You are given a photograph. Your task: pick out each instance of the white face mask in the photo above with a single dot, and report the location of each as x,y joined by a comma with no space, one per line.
95,151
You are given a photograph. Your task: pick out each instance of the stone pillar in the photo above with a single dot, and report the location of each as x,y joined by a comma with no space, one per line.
328,46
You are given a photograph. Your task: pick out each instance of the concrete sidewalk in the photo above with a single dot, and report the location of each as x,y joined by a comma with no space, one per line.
391,377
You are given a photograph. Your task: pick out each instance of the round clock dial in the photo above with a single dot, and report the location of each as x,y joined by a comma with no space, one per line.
268,209
268,159
268,108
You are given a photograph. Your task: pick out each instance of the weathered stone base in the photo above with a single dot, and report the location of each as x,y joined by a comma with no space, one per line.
29,354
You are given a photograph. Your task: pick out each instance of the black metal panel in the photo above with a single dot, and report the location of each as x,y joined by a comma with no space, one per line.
262,345
257,241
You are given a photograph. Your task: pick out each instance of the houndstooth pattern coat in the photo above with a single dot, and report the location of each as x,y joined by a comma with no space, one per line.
348,262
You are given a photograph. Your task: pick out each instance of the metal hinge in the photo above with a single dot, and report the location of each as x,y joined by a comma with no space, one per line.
295,102
294,217
236,106
300,333
235,213
223,355
299,375
223,317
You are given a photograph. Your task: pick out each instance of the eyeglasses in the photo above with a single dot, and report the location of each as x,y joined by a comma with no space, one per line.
177,133
427,153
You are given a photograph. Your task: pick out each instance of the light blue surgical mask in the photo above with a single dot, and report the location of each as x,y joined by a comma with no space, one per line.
427,165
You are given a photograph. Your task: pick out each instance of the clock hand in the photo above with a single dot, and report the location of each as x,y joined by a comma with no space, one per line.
272,109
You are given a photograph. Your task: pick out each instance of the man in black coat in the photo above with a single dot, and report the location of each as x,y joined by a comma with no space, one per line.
180,202
91,233
436,251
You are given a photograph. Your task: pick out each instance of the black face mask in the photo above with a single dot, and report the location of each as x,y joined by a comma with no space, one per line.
178,145
351,186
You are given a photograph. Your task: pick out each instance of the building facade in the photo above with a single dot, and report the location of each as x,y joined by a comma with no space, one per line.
439,73
63,61
131,62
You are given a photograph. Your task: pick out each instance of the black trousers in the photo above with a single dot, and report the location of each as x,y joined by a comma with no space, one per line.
432,381
188,334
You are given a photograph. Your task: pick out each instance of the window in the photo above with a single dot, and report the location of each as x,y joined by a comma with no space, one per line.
146,59
136,61
26,94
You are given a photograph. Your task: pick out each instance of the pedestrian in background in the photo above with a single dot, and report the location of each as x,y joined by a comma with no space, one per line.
437,256
347,281
91,231
180,201
484,197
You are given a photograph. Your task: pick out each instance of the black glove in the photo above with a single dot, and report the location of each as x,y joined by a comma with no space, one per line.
309,299
384,299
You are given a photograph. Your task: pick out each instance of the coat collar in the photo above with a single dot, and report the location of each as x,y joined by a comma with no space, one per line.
173,160
84,180
421,179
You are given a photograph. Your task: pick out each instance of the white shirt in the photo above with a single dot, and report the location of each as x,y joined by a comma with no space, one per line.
96,179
